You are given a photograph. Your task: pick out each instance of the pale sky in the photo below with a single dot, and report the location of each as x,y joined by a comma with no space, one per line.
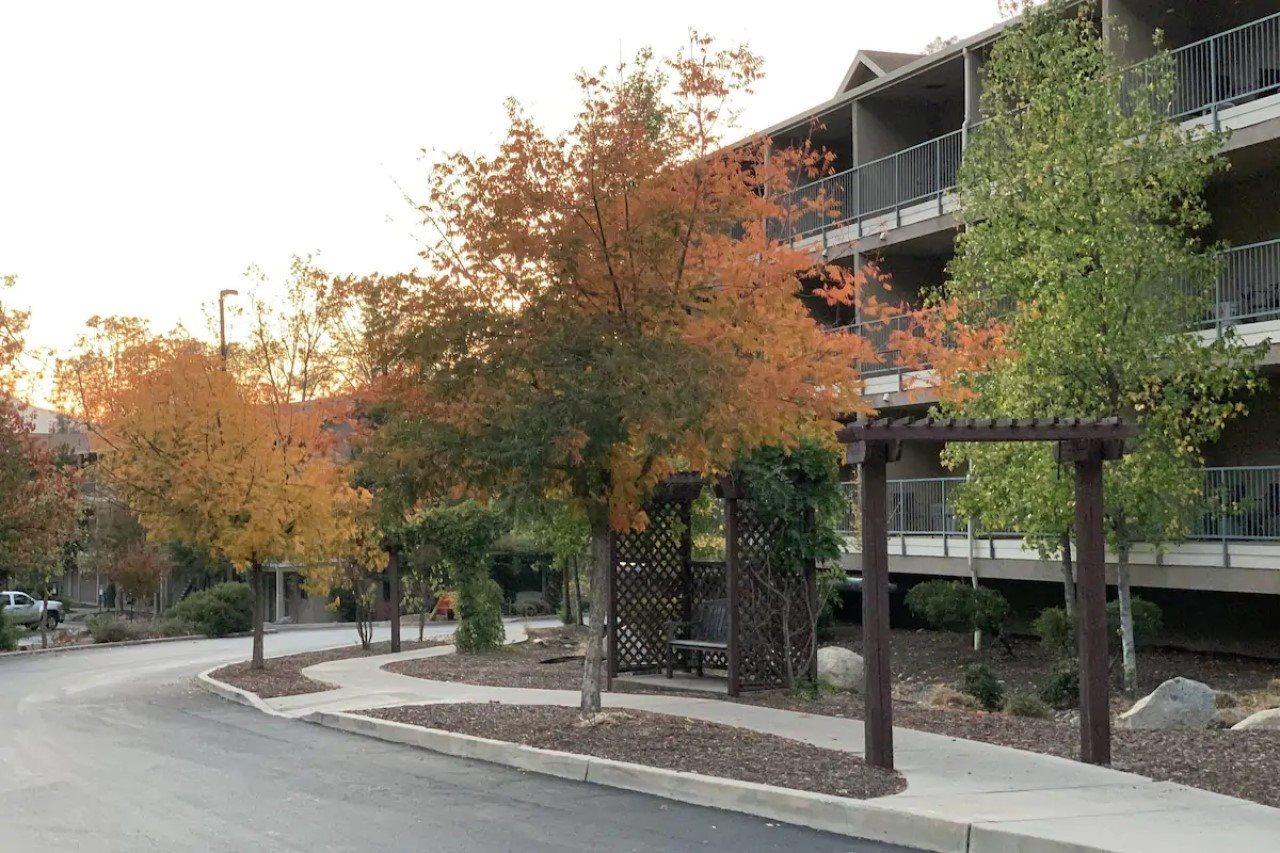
149,152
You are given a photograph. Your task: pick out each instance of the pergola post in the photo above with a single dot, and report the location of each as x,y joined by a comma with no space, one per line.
871,458
729,492
1091,596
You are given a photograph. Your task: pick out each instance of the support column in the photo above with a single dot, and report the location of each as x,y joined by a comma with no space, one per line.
393,581
729,492
1091,608
279,595
871,457
972,94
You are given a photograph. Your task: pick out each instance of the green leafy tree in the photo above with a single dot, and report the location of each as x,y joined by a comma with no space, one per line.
558,529
462,535
1083,205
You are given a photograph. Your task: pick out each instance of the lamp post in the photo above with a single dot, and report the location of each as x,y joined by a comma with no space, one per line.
222,323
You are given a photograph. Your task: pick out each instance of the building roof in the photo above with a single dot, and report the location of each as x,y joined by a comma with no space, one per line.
871,65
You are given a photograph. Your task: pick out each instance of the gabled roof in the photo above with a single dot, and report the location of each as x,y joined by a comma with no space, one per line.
870,65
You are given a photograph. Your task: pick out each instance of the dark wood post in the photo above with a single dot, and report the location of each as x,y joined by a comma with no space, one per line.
1091,598
728,490
393,581
611,613
871,458
686,559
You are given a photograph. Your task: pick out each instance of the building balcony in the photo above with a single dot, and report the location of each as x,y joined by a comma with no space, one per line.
1240,532
1230,81
1246,298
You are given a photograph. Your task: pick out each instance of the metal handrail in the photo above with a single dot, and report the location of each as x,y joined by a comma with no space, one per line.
915,175
1206,74
1246,290
1242,504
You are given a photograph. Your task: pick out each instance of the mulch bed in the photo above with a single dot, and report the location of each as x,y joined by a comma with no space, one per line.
283,675
1239,764
661,740
518,665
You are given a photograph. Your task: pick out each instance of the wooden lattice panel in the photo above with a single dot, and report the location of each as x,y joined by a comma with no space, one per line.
764,594
649,575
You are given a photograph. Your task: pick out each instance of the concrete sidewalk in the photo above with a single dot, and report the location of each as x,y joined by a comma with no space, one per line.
1009,799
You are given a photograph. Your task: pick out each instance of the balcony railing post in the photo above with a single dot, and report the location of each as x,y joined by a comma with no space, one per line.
897,189
1214,94
946,528
937,172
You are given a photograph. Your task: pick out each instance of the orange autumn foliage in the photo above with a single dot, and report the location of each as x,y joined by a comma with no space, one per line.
610,305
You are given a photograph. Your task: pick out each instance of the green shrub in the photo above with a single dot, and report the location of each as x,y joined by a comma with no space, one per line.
959,607
108,628
8,633
1056,631
1058,634
981,683
171,626
1061,688
217,611
1027,705
479,615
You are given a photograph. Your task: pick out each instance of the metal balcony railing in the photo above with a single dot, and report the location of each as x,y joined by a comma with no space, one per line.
1241,504
917,175
1218,72
1224,70
1247,290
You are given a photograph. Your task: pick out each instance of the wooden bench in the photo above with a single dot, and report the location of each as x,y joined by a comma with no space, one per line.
707,632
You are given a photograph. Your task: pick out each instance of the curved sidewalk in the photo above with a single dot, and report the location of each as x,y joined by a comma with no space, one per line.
1012,799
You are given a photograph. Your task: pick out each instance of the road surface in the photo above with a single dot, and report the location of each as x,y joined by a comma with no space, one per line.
117,749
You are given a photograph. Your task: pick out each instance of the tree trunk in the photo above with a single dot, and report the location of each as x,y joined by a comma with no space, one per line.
591,667
1127,645
422,615
577,585
255,579
565,602
393,580
44,617
1068,578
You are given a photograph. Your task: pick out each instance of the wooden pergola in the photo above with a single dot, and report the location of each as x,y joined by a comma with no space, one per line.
1085,442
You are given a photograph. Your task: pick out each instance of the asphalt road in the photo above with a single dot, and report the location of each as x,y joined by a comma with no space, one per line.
117,749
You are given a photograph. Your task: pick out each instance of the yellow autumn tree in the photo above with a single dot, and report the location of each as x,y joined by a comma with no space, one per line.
202,457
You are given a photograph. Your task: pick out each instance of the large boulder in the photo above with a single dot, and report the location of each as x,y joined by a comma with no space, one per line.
1179,703
1268,720
840,668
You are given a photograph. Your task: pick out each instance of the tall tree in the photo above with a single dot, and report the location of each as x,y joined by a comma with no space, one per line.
1083,211
610,307
202,457
39,492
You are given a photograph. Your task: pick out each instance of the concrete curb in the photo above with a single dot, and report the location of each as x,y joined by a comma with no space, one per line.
862,819
231,693
80,647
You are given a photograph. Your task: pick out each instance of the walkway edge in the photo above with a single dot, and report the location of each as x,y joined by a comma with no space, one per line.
232,693
862,819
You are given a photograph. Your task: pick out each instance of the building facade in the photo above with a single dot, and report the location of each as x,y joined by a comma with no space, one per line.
898,127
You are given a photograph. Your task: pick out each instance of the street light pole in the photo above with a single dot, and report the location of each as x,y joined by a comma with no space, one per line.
222,323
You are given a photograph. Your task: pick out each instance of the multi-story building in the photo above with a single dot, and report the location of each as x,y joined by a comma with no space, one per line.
898,125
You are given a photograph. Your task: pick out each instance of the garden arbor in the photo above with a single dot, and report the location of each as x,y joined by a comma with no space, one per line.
654,581
1084,442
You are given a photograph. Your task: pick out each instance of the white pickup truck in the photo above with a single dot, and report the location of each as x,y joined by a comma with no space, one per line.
21,609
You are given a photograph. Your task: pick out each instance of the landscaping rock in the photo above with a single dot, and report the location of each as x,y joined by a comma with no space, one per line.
840,668
1268,720
1179,703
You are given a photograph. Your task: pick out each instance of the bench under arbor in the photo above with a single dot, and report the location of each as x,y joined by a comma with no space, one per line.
668,610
